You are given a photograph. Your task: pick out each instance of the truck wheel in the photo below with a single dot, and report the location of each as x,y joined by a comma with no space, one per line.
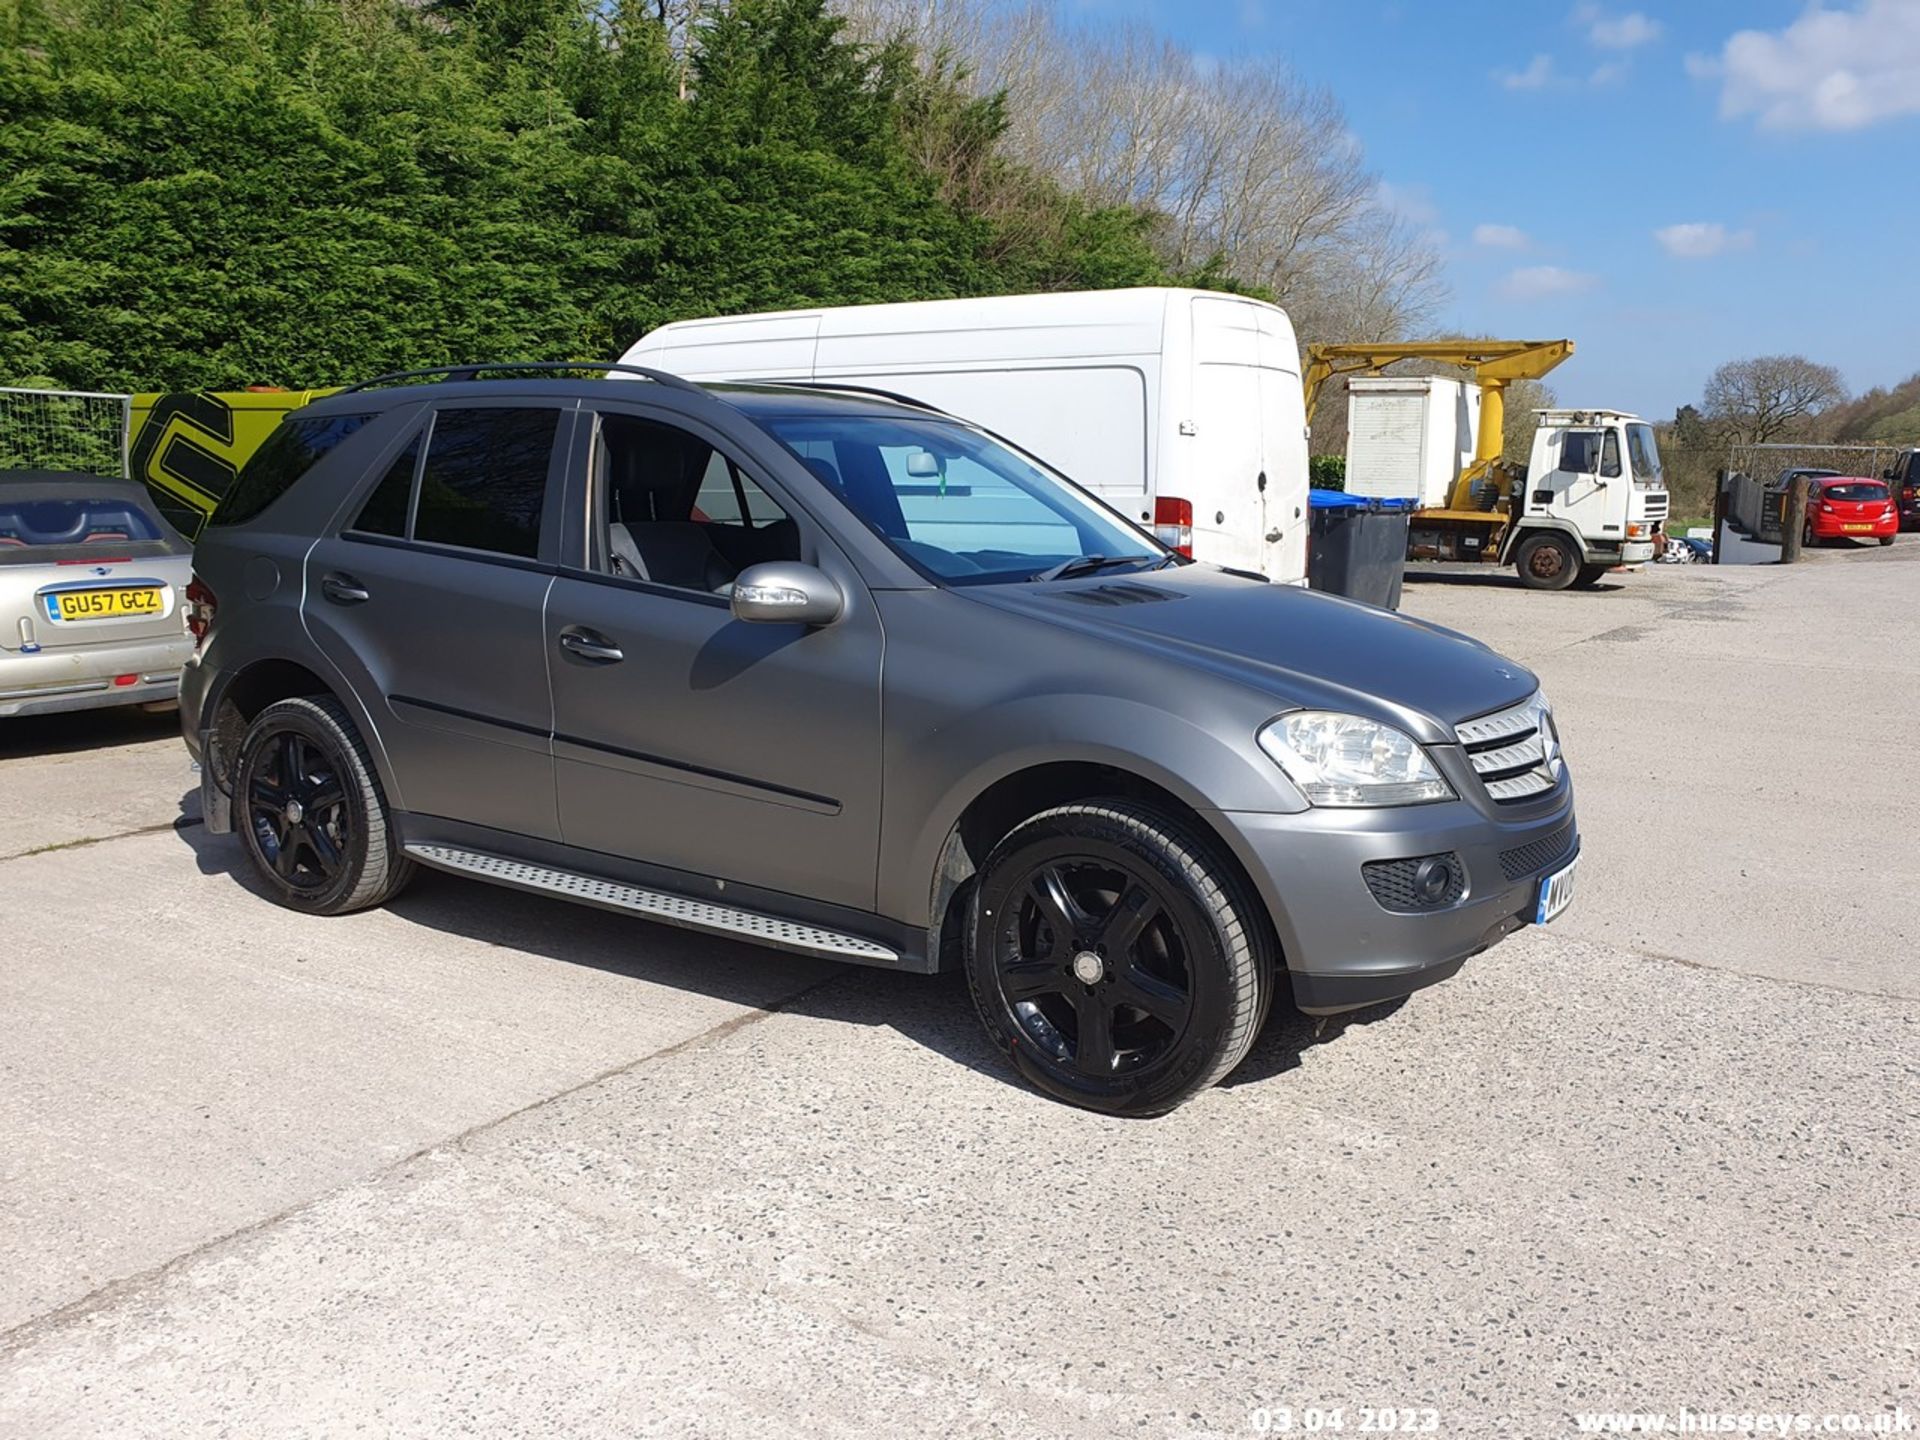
1547,562
1589,576
310,812
1116,957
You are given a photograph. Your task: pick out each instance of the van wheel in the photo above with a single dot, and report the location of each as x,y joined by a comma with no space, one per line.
1589,576
1547,562
1116,958
308,807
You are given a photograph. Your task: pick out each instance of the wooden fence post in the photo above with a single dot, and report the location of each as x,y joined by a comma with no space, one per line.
1793,520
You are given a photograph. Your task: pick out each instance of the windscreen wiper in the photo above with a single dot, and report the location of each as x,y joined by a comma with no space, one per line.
1087,565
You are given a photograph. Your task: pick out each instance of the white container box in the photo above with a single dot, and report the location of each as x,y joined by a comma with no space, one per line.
1409,437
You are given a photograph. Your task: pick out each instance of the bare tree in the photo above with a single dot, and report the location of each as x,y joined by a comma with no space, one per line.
1772,395
1249,172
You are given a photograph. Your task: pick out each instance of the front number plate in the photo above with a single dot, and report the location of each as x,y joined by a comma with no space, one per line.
67,605
1556,892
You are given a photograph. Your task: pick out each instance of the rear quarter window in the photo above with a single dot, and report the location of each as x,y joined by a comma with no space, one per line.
293,449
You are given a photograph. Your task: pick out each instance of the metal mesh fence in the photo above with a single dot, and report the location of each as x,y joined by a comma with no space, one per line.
80,430
1768,463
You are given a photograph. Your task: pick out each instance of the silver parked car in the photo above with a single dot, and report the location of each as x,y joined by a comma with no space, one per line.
93,588
832,672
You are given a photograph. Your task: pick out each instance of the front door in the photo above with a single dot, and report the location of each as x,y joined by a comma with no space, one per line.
683,738
429,599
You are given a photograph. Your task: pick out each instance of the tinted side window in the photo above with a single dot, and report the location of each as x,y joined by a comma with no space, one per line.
385,512
485,479
289,452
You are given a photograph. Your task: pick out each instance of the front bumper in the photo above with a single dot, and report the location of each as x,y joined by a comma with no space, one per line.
83,679
1343,947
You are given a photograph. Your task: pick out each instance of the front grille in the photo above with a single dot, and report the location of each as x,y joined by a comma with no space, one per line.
1391,882
1536,855
1655,507
1508,752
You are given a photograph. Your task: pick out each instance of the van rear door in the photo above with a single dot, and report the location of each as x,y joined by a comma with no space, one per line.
1249,475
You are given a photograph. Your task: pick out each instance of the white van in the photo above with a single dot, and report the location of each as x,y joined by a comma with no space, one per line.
1182,409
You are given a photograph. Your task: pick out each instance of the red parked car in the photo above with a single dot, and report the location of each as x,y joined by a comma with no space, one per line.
1850,507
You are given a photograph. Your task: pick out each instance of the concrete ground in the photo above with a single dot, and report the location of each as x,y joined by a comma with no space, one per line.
485,1164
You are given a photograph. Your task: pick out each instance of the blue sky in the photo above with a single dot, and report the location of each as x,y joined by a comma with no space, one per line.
1554,148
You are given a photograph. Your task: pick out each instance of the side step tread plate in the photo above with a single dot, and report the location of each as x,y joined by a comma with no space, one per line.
656,905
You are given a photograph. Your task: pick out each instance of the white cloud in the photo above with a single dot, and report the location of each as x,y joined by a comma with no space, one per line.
1537,76
1616,32
1702,239
1829,70
1610,72
1539,282
1500,237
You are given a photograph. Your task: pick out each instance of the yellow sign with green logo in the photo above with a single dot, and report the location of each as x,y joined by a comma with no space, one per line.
187,447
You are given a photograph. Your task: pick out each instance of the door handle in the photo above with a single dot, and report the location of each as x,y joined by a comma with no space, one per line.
589,646
344,590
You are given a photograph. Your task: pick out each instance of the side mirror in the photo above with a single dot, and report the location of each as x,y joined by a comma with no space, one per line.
785,592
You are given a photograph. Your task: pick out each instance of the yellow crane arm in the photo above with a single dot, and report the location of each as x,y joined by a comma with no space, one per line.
1494,364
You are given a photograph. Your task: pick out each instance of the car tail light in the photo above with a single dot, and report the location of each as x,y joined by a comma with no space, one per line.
1173,524
201,605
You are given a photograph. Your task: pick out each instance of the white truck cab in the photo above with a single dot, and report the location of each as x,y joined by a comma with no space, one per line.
1595,480
1181,409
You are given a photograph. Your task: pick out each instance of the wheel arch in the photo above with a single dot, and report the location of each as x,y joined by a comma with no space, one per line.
1019,794
1519,534
260,683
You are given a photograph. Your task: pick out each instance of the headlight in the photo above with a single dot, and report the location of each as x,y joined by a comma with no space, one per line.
1347,761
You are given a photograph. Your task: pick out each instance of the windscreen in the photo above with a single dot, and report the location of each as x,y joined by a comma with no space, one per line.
959,505
1856,490
1643,453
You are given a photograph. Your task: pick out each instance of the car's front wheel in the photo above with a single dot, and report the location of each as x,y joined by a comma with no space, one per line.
310,812
1117,958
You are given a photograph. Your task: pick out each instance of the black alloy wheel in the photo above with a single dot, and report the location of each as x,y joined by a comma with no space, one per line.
1094,966
309,809
297,813
1116,957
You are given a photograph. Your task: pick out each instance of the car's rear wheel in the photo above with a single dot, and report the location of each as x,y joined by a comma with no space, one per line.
1117,958
310,812
1547,562
1886,539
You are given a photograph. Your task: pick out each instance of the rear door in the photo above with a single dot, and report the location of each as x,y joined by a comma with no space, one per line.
428,596
1229,469
1283,447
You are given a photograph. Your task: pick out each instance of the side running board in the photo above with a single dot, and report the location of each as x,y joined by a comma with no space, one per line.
657,905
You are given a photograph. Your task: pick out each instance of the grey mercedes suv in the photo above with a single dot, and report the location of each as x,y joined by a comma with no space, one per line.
830,671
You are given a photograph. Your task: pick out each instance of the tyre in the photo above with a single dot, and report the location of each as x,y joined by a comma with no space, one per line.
1116,958
1547,562
310,812
1886,539
1589,576
1808,540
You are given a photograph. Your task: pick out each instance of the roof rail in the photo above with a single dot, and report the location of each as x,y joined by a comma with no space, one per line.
469,372
894,395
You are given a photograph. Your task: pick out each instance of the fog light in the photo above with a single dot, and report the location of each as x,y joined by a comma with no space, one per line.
1433,878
